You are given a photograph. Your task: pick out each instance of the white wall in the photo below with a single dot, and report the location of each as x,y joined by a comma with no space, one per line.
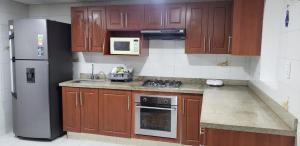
166,58
281,45
8,10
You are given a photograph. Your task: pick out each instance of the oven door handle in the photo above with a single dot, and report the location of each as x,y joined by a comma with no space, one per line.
157,108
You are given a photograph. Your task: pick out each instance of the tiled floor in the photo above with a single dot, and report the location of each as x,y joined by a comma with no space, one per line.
11,140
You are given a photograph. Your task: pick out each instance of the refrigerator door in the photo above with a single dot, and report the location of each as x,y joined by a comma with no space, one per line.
30,39
31,107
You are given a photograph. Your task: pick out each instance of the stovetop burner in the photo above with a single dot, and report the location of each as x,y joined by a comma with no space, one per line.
162,83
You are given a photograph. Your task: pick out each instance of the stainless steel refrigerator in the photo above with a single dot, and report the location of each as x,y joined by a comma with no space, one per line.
40,58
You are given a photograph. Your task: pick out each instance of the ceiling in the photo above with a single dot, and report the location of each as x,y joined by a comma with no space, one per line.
56,1
32,2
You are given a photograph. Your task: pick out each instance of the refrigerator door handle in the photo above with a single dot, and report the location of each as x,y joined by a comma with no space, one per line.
12,61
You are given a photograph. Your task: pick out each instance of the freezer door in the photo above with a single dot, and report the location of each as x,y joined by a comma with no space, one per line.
31,107
30,39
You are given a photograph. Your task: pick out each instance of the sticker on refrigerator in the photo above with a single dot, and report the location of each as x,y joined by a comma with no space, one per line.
41,51
40,38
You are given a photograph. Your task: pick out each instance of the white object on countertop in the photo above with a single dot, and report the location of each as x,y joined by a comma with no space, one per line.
214,82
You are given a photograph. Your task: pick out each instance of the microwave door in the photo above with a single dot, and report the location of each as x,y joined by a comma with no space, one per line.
122,46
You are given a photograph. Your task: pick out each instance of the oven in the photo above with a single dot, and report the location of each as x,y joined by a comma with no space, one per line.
156,115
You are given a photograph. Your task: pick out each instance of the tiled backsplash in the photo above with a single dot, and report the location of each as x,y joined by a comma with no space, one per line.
8,10
168,59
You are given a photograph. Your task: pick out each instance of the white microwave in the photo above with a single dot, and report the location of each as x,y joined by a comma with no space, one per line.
125,45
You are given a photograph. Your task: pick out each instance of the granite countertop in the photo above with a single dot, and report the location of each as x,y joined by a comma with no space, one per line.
229,107
238,108
191,88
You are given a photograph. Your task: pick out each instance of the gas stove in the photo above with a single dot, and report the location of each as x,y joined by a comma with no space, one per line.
162,83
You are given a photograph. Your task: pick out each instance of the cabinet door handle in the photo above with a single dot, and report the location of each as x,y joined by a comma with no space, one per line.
183,106
128,103
126,19
81,102
90,42
161,19
229,43
76,99
209,45
204,44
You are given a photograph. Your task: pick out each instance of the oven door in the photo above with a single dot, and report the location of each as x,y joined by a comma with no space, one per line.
154,121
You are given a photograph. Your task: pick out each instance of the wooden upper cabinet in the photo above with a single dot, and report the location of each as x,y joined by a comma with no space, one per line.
79,28
196,28
208,27
114,17
116,113
191,119
88,29
97,28
165,16
71,109
219,27
247,27
175,16
125,17
89,102
154,17
134,16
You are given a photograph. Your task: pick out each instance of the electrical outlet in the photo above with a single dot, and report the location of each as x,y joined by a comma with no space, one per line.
287,70
285,103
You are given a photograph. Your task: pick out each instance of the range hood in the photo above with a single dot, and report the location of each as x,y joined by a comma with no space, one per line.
164,34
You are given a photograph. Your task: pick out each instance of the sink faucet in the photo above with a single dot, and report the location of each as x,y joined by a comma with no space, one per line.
92,76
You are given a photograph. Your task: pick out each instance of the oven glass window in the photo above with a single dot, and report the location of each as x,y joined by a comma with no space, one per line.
122,46
153,119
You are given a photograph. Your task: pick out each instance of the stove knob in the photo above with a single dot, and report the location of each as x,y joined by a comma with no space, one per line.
165,101
144,99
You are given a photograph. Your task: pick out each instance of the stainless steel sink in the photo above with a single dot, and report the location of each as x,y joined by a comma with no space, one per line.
89,81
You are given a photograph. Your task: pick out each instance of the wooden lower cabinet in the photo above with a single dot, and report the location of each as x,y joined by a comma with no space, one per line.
116,113
71,109
218,137
191,111
80,110
89,102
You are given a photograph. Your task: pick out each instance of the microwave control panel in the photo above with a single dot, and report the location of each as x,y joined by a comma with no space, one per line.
136,45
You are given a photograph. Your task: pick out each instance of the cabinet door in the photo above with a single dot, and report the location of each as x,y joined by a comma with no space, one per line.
89,103
71,109
175,16
114,17
97,28
79,28
116,113
134,17
218,137
247,27
191,119
154,17
219,28
196,28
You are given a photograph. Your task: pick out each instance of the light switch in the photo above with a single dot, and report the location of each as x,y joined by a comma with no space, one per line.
287,70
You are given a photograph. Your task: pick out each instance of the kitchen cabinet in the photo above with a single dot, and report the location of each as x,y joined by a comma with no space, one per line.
116,113
89,100
208,28
80,110
218,137
165,16
88,29
71,109
191,112
247,27
125,17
